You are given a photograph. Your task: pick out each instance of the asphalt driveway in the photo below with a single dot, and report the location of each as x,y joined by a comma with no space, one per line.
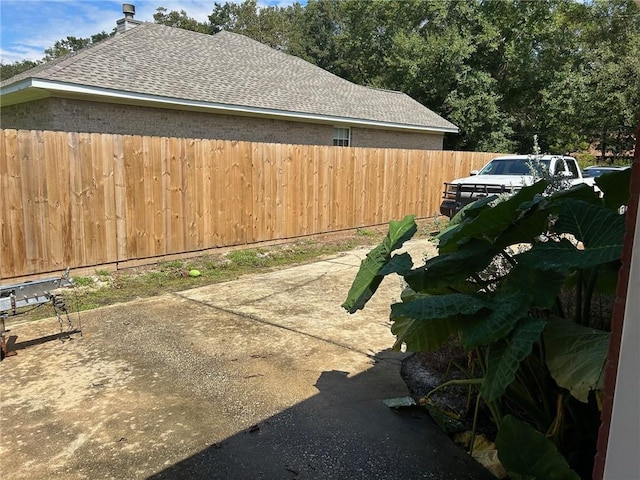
263,377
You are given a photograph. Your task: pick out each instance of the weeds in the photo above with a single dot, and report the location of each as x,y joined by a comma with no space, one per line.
249,258
111,287
107,288
84,281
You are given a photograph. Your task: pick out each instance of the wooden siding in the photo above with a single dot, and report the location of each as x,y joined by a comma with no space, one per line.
83,200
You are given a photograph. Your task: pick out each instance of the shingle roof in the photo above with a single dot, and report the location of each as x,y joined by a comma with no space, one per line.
229,69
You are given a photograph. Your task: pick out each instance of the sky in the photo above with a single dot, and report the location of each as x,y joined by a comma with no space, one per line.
28,27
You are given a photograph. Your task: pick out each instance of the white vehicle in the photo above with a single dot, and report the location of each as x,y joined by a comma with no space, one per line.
596,171
507,174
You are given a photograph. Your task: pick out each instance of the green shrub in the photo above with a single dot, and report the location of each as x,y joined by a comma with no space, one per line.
500,285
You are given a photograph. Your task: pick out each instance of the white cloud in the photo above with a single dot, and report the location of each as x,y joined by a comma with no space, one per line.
200,10
28,28
19,54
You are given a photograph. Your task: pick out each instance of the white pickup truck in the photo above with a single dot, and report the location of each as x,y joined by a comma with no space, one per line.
507,174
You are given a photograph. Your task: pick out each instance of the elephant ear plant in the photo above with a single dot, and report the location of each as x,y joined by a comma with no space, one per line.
514,284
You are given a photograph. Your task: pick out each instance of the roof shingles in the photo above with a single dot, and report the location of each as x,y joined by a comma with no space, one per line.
230,69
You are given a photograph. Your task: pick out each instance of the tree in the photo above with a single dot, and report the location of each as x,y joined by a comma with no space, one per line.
272,25
612,70
58,49
319,26
180,20
12,69
566,93
73,44
526,52
475,107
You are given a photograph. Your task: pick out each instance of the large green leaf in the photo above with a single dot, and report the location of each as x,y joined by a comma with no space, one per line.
527,454
575,356
371,270
505,357
491,221
582,191
427,321
539,288
429,307
533,218
505,312
422,335
563,257
399,264
593,225
450,270
608,278
615,188
469,212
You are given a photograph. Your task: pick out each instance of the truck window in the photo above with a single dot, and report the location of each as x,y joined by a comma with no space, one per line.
573,168
559,167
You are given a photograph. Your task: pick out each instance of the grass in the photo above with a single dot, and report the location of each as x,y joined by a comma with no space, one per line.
84,281
107,288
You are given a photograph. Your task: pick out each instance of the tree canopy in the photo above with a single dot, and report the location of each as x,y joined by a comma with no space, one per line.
563,70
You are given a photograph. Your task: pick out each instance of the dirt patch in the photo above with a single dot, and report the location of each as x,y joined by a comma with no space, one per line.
424,371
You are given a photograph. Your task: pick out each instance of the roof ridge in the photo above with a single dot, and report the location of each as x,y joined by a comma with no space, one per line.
383,89
250,41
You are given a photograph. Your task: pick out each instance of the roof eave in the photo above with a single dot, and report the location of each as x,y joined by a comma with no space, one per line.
21,92
16,87
121,96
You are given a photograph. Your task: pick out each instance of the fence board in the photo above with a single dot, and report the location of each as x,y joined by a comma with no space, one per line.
56,172
292,199
217,193
259,193
98,184
207,189
29,211
81,200
9,239
37,175
145,193
86,195
245,213
190,194
107,175
231,195
6,257
119,193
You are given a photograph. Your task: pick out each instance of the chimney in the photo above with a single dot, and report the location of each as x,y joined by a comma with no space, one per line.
129,10
127,23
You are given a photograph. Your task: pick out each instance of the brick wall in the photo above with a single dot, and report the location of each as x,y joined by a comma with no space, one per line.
59,114
618,317
29,116
372,138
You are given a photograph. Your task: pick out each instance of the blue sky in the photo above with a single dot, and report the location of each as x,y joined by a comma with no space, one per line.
27,27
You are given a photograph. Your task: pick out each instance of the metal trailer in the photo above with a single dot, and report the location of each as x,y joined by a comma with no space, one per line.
14,298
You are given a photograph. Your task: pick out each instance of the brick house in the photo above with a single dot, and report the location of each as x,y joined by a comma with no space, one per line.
154,80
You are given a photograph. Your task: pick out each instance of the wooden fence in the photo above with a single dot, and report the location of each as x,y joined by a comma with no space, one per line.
81,200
